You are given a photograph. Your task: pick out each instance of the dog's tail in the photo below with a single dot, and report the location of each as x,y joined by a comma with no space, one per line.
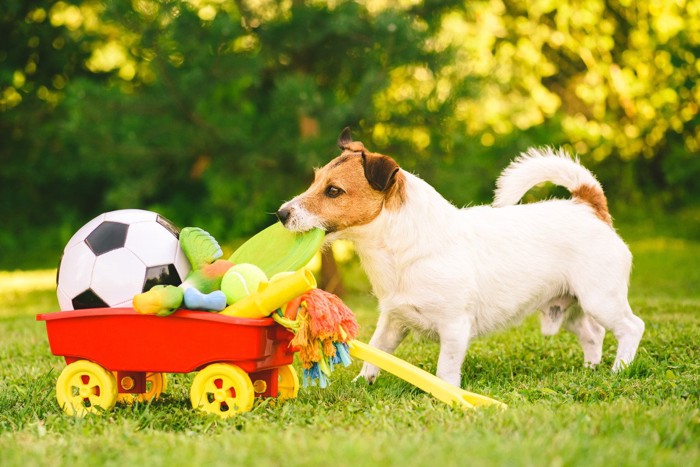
546,165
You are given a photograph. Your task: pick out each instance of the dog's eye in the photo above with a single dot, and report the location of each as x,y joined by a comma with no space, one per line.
333,191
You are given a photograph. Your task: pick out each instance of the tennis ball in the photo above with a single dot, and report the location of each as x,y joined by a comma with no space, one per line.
240,281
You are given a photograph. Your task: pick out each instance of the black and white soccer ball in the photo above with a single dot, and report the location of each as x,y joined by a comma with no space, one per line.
117,255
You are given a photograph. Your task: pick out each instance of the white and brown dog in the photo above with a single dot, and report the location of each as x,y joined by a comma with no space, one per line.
459,273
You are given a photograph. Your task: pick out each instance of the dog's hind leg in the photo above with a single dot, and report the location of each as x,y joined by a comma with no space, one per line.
590,335
615,314
628,333
454,342
387,337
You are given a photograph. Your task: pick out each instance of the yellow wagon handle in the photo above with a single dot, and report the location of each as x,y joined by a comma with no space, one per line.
428,382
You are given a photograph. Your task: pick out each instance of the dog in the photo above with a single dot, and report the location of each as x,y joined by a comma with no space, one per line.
456,274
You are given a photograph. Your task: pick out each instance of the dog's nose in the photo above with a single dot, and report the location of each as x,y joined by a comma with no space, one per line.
283,214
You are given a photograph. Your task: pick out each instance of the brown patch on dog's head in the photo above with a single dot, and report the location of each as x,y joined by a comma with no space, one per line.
384,175
594,196
353,188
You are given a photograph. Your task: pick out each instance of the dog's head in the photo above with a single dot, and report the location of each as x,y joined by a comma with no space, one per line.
350,190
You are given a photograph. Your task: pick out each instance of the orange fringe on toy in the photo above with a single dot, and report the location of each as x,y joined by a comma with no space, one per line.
322,317
323,325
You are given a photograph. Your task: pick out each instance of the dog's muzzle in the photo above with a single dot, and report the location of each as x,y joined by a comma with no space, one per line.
283,214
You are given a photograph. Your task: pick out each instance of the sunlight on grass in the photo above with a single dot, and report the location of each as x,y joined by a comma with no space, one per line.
27,281
27,292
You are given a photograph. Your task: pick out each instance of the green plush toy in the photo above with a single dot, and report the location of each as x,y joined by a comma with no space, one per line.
201,288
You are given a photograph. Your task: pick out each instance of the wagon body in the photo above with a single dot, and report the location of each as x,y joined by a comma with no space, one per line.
119,339
116,354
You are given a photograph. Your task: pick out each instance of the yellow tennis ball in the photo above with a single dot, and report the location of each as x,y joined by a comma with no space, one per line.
240,281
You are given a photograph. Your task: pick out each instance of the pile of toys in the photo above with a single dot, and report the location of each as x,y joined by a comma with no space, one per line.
240,287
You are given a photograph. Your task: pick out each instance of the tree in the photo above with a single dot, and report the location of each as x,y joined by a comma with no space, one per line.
42,48
210,113
618,78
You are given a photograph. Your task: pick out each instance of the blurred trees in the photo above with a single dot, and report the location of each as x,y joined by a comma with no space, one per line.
621,77
214,112
211,113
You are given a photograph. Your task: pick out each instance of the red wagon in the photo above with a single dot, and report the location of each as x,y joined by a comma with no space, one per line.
117,354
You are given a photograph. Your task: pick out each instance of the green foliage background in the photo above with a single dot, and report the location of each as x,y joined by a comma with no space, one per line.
214,112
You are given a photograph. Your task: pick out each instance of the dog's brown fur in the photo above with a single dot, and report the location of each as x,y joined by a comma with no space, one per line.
368,182
595,198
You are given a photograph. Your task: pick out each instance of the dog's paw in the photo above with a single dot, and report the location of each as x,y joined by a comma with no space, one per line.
369,373
591,365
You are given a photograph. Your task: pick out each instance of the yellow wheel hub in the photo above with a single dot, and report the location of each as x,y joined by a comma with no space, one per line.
288,382
222,389
85,387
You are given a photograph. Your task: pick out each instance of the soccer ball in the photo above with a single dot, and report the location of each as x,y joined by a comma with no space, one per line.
117,255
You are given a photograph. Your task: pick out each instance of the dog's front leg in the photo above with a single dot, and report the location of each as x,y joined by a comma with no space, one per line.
454,341
387,336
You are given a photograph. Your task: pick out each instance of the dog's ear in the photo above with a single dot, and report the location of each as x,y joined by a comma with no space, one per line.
345,138
380,170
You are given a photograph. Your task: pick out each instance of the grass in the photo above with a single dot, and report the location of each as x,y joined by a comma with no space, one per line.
560,413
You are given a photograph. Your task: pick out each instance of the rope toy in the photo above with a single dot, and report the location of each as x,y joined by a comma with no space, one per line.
323,325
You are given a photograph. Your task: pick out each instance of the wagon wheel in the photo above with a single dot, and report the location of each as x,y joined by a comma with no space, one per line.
85,387
156,384
222,389
288,382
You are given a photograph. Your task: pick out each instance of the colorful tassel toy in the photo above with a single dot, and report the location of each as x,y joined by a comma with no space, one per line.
323,325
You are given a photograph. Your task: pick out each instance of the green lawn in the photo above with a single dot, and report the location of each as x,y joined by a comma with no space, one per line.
560,413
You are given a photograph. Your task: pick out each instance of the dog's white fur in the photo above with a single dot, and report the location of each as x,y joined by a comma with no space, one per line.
457,274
